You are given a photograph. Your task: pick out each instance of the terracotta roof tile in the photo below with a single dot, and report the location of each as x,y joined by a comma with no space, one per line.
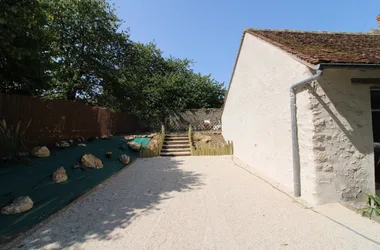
325,47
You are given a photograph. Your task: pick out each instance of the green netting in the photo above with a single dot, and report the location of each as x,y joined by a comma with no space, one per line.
34,179
143,141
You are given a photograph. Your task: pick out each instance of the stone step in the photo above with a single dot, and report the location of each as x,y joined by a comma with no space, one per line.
176,149
175,154
176,138
178,135
176,142
176,145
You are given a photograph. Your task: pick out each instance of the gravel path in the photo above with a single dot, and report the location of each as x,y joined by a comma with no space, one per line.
199,203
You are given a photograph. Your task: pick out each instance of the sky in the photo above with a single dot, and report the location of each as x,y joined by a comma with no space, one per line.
209,31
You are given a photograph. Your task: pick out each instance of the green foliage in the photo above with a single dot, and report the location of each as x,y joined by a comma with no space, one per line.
373,206
24,51
86,47
12,138
75,50
153,87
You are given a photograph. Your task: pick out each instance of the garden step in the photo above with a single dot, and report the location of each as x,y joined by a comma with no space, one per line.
176,138
187,149
176,145
175,154
176,142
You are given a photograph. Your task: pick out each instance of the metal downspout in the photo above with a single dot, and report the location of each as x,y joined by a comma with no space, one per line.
295,146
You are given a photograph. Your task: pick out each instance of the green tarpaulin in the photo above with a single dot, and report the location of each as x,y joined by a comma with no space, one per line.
34,179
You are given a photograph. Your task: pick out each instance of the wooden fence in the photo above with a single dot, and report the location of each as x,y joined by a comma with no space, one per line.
56,120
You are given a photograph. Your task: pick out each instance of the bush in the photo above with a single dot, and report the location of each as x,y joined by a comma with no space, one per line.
12,138
373,206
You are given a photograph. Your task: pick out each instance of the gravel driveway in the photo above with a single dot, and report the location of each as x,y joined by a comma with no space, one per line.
199,203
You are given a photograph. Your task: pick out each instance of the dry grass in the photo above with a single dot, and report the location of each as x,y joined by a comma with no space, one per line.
217,145
208,149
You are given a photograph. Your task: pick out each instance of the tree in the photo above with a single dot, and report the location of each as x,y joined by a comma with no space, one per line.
24,53
86,47
152,86
74,50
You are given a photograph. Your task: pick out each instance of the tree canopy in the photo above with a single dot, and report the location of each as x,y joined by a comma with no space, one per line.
76,50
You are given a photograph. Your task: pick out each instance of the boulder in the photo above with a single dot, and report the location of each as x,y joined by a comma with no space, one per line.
64,144
96,138
41,152
22,154
154,143
77,166
124,159
206,139
202,137
18,205
60,175
71,141
134,145
79,140
129,137
152,135
81,145
104,137
90,161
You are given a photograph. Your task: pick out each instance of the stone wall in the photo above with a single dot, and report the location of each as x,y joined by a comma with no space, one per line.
342,136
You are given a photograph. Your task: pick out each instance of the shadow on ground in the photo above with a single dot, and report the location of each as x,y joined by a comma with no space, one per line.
136,191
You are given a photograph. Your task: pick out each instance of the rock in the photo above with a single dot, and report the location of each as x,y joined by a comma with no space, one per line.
124,159
82,138
206,139
134,145
41,152
90,161
152,135
79,140
23,154
81,145
60,175
96,138
57,145
18,205
71,141
104,137
129,137
64,144
76,166
153,144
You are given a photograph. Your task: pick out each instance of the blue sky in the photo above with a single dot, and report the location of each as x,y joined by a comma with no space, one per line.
209,31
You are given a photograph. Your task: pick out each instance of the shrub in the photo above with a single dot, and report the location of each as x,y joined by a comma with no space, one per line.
12,138
373,206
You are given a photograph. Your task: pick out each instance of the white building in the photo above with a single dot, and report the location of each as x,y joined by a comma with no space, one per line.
325,151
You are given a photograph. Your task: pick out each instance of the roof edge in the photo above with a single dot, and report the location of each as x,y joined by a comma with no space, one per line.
322,66
233,71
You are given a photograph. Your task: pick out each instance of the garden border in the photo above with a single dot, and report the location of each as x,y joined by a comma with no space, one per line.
15,242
